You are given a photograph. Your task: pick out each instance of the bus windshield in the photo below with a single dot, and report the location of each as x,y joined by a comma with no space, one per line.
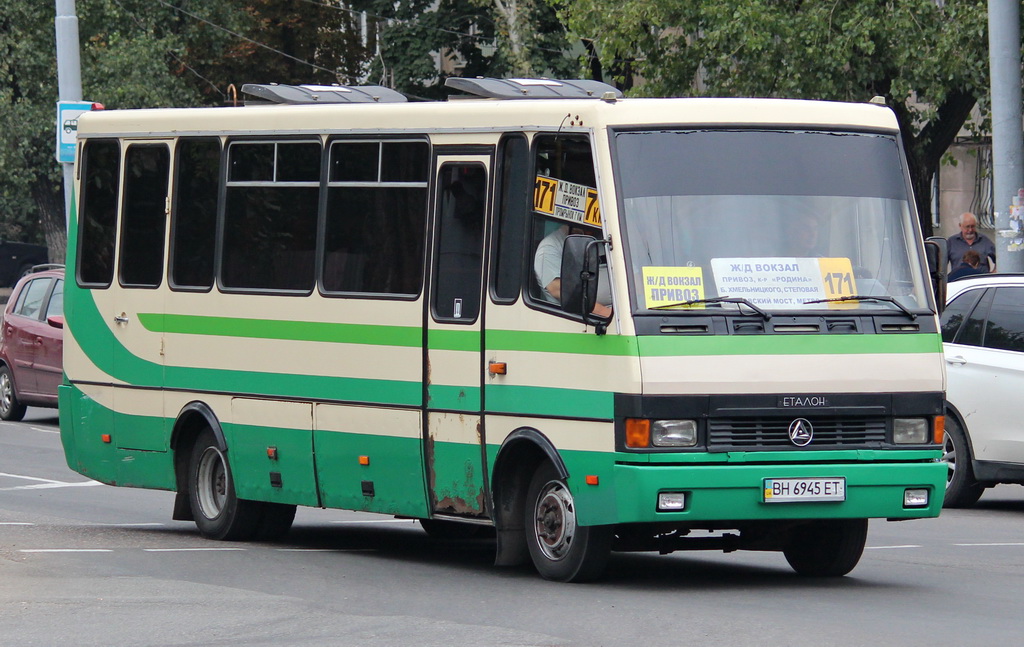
781,219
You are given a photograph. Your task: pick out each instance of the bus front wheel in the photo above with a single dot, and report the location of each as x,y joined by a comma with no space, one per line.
218,513
828,548
560,549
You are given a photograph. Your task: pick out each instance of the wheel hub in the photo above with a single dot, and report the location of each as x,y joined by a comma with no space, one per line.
555,521
212,481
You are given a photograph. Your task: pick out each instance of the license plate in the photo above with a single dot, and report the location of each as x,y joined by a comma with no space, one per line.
804,489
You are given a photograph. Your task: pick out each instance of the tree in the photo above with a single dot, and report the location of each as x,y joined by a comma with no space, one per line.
484,37
142,54
129,60
928,59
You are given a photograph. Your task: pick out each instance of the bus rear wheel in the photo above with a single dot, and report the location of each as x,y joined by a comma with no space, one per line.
561,549
829,548
218,513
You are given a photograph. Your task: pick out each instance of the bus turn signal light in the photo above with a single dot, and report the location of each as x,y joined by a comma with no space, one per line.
939,430
105,438
638,433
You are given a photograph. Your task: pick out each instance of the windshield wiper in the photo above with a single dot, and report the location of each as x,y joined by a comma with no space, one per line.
765,315
861,297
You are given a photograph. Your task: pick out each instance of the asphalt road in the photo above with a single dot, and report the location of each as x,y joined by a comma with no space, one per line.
86,564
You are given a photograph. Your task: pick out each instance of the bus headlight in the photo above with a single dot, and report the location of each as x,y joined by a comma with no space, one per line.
674,433
910,431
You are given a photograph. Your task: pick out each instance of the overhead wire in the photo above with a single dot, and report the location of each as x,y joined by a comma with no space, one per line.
246,38
171,53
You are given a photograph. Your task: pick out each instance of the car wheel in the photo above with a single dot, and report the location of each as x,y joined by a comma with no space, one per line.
962,489
560,549
10,409
828,548
218,513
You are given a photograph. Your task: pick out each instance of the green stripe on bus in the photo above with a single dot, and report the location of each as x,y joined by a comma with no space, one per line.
109,355
319,331
454,398
467,340
542,401
789,345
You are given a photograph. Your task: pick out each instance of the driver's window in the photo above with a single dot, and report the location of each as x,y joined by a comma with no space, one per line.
564,202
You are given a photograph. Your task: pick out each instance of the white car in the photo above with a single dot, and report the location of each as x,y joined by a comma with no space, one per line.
983,339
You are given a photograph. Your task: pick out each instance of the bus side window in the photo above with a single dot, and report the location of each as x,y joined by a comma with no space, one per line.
463,201
98,215
270,216
194,218
143,215
513,206
376,217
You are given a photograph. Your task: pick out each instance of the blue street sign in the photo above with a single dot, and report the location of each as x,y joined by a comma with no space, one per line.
67,128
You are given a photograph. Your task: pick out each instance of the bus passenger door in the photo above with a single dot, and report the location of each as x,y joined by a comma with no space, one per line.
137,301
453,365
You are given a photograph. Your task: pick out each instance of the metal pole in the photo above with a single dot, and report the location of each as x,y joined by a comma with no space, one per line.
69,77
1007,145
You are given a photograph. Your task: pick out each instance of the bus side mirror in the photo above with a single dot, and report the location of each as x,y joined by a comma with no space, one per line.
935,251
579,277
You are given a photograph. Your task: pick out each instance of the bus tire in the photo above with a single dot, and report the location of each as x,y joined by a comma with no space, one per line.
829,548
962,489
560,549
218,513
11,409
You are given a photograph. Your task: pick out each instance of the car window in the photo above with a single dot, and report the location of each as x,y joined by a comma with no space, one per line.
56,306
1005,327
34,293
956,311
974,326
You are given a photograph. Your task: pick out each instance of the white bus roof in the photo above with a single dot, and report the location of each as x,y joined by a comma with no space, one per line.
487,115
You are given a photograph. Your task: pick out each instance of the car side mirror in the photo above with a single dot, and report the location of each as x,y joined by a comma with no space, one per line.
57,321
935,251
579,278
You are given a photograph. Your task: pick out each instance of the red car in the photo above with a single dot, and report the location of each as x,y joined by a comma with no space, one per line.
32,343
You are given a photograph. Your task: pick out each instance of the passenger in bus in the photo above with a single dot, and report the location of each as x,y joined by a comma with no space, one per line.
547,266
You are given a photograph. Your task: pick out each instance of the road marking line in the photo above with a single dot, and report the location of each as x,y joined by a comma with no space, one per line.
1005,543
888,547
187,550
378,521
128,525
46,430
325,550
16,523
65,550
43,484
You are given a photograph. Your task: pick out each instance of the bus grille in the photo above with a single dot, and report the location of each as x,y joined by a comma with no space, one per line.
756,434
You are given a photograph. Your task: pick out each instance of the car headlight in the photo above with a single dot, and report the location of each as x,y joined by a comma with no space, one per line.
910,431
674,433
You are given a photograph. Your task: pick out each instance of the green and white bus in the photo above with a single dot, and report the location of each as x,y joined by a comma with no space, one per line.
333,297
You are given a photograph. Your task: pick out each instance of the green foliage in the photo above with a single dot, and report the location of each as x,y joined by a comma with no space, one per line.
473,33
928,59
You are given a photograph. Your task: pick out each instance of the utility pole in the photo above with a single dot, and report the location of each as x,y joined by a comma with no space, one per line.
1007,145
69,78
